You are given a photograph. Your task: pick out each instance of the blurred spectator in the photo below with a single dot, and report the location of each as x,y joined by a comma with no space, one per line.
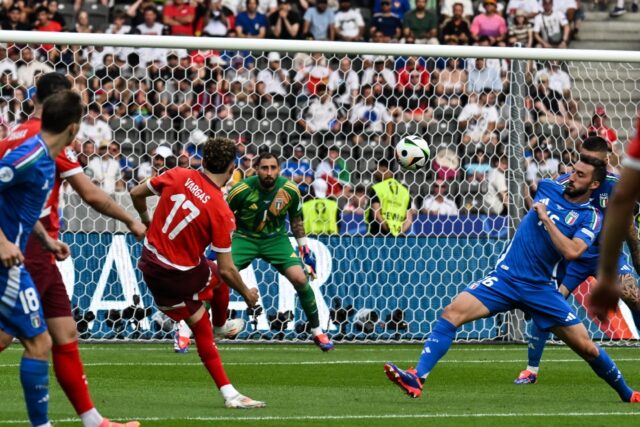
7,66
333,171
87,153
272,82
598,126
483,78
451,83
472,191
82,24
179,15
321,216
530,8
438,203
126,168
105,171
29,67
489,24
619,9
244,170
369,116
251,23
559,81
447,10
551,29
150,27
160,159
44,23
456,30
348,23
542,166
13,20
477,121
497,197
267,7
549,107
215,22
358,202
316,71
299,170
137,9
387,22
193,148
398,7
284,23
344,85
421,23
93,127
55,15
320,116
379,73
568,8
318,21
521,31
391,209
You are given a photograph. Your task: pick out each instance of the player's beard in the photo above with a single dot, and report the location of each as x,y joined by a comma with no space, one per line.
267,182
575,192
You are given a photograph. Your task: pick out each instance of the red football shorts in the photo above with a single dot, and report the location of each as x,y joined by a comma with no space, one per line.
179,294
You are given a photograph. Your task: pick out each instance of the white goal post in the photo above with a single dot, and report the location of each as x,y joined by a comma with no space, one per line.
332,112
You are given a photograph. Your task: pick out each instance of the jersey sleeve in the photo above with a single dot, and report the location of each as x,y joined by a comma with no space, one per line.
67,164
235,195
224,226
563,179
295,206
15,168
157,183
590,227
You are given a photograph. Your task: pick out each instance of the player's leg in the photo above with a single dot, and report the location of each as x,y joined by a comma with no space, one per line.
222,327
577,337
200,325
479,300
34,377
630,294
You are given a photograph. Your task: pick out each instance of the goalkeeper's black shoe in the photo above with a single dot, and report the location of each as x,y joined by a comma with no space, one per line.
323,342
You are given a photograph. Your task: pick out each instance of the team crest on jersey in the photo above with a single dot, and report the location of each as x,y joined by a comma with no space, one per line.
571,217
35,320
6,174
279,203
71,154
604,200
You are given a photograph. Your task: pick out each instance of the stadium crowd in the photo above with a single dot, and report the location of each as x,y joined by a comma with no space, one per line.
332,118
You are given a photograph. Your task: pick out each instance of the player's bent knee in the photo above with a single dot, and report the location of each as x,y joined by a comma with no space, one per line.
62,329
38,347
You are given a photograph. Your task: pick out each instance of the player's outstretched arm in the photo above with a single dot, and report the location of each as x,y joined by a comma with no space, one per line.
139,195
570,249
56,247
232,277
103,203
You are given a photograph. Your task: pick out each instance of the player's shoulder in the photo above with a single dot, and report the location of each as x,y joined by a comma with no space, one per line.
288,185
240,187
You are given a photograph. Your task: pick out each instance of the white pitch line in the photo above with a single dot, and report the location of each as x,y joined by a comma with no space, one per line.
362,417
325,362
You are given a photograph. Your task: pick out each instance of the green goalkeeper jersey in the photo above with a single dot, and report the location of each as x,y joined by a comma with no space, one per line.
261,213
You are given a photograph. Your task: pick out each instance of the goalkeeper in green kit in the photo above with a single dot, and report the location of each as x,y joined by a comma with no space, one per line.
260,204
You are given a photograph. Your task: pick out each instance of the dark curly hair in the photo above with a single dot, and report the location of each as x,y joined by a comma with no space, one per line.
218,153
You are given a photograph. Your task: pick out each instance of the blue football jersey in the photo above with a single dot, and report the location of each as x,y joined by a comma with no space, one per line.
531,257
26,177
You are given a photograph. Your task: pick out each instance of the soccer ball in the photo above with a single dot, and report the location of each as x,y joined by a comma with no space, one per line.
412,152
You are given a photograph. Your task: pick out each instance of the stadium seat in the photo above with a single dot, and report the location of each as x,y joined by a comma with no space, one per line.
98,15
69,15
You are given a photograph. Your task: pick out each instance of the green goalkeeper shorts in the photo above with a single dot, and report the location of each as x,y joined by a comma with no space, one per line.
276,250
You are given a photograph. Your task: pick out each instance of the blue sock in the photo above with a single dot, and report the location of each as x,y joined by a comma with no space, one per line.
436,346
537,341
34,376
608,371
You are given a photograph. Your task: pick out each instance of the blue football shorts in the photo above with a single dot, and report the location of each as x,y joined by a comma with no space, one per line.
20,308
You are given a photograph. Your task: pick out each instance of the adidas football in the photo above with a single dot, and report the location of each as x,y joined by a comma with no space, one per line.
412,152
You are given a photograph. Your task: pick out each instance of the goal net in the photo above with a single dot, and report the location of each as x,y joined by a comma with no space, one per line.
495,128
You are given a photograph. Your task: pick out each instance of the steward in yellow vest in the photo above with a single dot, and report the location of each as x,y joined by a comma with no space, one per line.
320,216
389,211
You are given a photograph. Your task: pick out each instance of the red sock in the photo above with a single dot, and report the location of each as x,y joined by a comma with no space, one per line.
70,374
220,304
208,351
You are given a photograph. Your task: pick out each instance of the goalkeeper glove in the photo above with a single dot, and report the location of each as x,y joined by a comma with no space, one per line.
309,260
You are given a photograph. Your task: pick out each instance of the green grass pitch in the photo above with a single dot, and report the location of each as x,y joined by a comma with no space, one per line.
471,386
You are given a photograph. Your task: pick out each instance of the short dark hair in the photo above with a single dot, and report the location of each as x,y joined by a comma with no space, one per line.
264,156
60,110
596,143
41,9
51,83
599,167
150,8
218,153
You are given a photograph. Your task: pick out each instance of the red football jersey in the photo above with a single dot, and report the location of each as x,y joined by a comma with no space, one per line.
66,165
633,151
191,215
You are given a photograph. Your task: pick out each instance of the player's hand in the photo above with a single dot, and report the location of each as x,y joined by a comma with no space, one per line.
251,297
604,298
138,229
10,255
309,260
59,249
541,210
